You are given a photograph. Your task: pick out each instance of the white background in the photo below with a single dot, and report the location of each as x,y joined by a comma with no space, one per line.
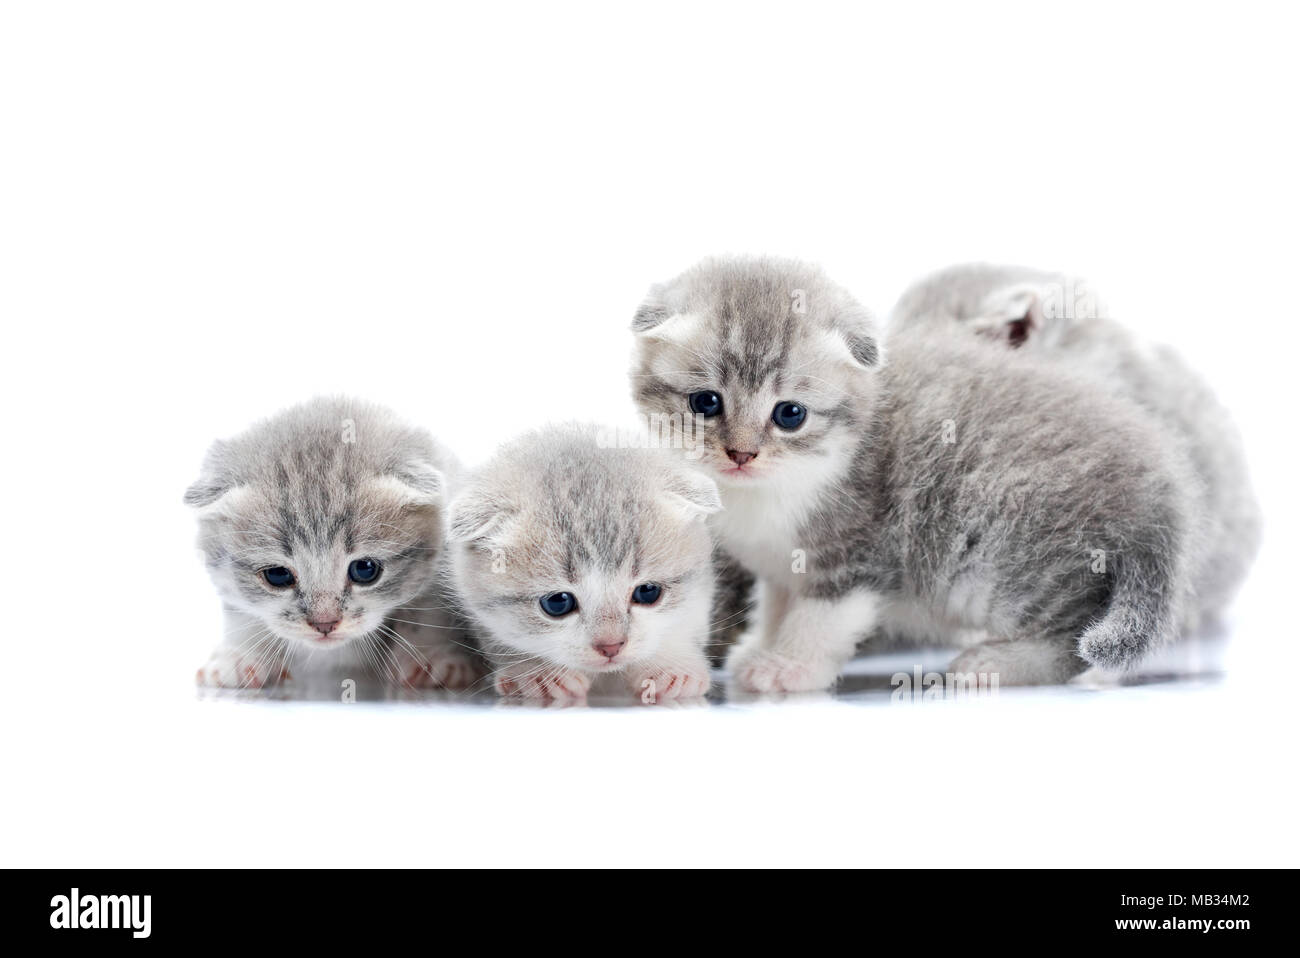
208,211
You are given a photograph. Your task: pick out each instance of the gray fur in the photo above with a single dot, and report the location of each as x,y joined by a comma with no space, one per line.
559,511
997,530
733,597
1063,321
312,489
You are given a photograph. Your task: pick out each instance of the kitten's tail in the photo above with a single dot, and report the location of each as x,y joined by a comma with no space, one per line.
1143,610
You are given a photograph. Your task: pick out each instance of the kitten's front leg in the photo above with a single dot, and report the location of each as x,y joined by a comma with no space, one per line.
432,646
541,681
250,656
684,675
807,646
774,603
679,667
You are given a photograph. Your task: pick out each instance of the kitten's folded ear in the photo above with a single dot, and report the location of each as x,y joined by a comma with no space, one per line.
693,493
207,490
864,349
652,311
415,485
656,320
853,339
214,482
1011,315
475,514
858,327
427,484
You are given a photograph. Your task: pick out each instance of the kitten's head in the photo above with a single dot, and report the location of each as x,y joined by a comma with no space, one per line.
1010,306
582,556
767,366
321,520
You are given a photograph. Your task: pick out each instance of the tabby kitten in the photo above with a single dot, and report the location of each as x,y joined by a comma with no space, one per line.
1052,317
587,564
321,528
952,483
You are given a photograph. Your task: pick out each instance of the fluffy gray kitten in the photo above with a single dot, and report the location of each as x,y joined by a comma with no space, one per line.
322,529
951,483
583,563
1058,318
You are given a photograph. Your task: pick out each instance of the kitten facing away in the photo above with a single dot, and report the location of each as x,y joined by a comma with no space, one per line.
951,483
1053,317
322,529
584,564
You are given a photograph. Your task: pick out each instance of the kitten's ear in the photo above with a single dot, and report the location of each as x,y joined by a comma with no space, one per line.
424,485
1011,315
413,485
215,481
656,320
652,312
474,515
207,491
857,328
694,493
864,348
857,348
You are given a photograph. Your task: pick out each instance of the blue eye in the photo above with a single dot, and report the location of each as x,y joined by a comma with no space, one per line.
558,604
789,415
364,571
278,577
707,403
647,593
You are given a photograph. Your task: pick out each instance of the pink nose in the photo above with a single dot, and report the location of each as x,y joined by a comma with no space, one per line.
324,626
609,647
740,458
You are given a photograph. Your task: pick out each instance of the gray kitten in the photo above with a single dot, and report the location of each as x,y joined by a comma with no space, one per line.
952,483
583,563
1059,318
322,529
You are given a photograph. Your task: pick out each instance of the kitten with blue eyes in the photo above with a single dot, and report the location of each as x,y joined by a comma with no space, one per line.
1052,317
322,529
587,565
950,484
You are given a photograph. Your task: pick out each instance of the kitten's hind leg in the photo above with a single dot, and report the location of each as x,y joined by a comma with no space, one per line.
1021,662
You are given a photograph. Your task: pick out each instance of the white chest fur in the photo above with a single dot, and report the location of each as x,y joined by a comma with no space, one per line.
761,531
761,524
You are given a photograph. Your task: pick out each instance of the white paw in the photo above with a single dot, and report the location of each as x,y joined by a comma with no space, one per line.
229,670
545,684
434,668
665,685
760,670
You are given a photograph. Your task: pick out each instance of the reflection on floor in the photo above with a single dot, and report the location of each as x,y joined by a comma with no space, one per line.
914,674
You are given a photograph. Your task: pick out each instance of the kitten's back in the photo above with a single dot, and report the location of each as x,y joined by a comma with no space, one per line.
1092,346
